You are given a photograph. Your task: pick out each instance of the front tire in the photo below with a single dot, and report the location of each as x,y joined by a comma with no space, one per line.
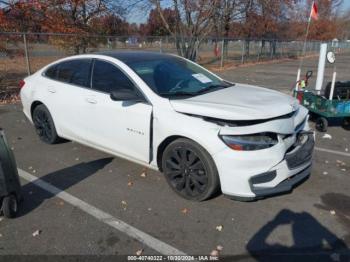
190,170
44,125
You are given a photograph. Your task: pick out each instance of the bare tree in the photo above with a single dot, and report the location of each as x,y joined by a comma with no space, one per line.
227,12
194,20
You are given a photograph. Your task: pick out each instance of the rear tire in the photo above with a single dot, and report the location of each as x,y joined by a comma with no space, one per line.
44,125
190,170
321,124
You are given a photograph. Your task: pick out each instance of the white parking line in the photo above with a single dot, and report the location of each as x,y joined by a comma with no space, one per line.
104,217
332,151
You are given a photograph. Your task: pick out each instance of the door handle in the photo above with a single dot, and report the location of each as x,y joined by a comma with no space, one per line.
91,100
51,90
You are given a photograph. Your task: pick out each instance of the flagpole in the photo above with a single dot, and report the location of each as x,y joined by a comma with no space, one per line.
304,49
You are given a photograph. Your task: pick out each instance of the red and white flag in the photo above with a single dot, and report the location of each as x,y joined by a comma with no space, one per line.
314,11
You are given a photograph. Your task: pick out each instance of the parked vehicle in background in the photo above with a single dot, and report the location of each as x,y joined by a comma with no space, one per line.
172,115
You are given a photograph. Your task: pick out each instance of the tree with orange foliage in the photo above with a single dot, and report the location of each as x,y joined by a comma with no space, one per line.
262,20
22,16
76,16
325,28
155,25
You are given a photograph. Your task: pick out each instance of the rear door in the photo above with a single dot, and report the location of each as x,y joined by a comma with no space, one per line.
66,87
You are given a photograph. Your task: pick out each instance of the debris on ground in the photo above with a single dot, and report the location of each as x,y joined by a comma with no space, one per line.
219,248
130,184
332,212
219,228
36,233
325,173
139,252
340,163
30,168
327,136
124,205
214,253
326,161
149,209
60,203
343,169
143,174
184,211
346,149
77,159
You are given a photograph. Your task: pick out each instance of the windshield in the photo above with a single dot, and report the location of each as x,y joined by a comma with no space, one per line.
173,76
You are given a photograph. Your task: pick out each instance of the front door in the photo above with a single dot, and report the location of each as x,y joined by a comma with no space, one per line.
120,127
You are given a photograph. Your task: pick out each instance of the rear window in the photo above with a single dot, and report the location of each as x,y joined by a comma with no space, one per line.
51,72
75,72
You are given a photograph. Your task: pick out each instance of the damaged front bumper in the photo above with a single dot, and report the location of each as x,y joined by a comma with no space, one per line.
296,160
250,175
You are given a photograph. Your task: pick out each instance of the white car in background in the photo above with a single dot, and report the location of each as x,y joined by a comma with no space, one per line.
172,115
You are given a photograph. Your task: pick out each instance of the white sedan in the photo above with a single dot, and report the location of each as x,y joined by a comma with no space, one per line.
170,114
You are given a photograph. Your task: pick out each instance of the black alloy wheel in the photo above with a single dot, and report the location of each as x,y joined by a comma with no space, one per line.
44,125
189,170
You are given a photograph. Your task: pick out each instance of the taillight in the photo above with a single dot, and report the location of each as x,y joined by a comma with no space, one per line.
21,83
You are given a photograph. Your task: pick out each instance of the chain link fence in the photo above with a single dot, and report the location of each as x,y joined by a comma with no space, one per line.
22,54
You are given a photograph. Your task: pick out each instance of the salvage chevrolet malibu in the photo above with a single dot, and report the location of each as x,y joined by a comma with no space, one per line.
172,115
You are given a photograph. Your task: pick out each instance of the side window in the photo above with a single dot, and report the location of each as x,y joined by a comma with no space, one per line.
51,72
75,72
106,78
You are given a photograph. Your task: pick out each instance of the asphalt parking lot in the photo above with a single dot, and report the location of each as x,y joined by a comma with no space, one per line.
101,192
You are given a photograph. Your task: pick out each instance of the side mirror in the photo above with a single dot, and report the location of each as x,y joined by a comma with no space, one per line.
309,74
126,95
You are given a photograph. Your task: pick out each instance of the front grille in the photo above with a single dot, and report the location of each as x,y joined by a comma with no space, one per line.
302,154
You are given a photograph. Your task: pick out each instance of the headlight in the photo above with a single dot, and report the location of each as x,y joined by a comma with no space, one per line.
251,142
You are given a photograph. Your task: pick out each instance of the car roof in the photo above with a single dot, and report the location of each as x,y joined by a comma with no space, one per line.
135,56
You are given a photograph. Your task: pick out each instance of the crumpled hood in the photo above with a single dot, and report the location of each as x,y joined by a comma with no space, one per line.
239,102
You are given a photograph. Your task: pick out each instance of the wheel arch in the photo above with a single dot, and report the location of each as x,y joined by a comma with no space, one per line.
34,105
161,147
167,141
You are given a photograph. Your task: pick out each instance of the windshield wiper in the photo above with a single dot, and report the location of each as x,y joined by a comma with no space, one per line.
178,93
212,87
202,91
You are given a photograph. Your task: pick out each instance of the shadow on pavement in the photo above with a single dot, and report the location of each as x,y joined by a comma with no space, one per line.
340,204
311,241
62,179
